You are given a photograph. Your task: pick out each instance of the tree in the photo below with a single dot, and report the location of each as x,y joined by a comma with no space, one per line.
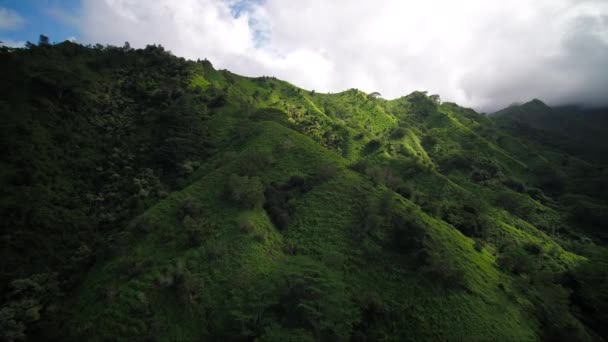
43,41
421,104
375,95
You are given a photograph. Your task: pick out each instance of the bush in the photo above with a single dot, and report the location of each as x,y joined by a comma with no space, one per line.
441,268
532,248
398,133
248,191
189,207
514,185
360,166
246,225
455,161
537,194
143,224
478,245
469,219
194,231
372,309
384,175
372,146
325,173
255,162
484,170
428,141
279,199
385,224
516,204
407,231
516,260
406,190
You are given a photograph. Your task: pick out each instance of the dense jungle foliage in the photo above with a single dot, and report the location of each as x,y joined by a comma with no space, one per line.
149,197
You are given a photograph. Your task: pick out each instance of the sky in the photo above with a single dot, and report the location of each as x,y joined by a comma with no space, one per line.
484,54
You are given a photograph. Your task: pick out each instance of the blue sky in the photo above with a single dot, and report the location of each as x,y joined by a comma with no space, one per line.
40,17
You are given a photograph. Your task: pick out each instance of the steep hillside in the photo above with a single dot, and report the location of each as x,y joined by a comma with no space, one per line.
570,129
146,197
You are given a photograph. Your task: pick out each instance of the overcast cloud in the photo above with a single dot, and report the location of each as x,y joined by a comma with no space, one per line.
479,53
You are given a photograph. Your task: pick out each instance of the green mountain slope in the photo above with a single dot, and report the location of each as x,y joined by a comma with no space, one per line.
571,129
146,197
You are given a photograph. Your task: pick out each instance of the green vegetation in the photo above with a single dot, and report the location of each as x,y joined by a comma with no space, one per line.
147,197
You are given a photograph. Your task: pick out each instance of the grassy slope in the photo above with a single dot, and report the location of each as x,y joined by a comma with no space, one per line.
229,260
319,231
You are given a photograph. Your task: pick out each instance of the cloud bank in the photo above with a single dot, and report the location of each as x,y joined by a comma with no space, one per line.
479,53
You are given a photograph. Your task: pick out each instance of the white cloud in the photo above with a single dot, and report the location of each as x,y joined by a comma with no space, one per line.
479,53
9,20
12,43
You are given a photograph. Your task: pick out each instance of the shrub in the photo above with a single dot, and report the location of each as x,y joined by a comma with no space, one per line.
398,133
246,225
514,203
516,260
537,194
478,245
384,175
406,190
189,207
441,268
277,204
407,231
372,308
514,185
248,191
360,166
143,224
372,146
188,287
129,267
532,248
325,172
456,161
194,231
484,170
428,141
255,162
469,219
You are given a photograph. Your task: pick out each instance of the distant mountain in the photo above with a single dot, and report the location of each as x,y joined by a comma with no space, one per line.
571,129
145,197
